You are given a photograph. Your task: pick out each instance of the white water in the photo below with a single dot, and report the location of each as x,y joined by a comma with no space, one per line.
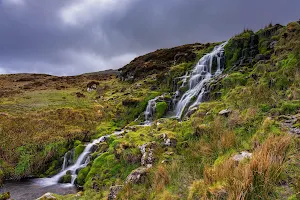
200,75
150,110
81,162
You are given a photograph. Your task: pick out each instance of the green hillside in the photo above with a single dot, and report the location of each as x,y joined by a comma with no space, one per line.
42,117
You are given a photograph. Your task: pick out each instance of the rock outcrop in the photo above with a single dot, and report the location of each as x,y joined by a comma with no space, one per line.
241,156
114,190
147,151
138,175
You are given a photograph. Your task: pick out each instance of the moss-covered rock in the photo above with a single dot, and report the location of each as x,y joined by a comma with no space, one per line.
5,196
1,177
161,109
77,151
66,178
81,178
240,48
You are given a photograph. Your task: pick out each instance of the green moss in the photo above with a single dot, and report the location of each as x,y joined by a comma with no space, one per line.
66,178
76,143
78,150
234,79
53,169
235,47
293,197
81,178
161,109
5,196
1,177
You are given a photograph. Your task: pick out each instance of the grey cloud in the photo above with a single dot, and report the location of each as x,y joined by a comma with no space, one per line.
35,38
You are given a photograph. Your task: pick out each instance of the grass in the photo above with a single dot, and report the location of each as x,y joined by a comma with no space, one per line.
200,166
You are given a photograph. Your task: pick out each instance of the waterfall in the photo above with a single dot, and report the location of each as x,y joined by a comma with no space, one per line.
200,75
150,110
65,162
81,162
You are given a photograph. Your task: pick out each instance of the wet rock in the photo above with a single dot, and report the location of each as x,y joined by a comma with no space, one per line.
241,156
47,196
225,112
5,196
66,178
137,176
191,111
114,190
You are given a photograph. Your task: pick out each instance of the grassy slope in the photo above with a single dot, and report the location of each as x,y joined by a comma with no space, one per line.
200,166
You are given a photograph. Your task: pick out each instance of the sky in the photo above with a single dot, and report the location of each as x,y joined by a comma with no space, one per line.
70,37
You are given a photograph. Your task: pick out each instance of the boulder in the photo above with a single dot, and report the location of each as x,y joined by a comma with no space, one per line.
137,176
92,86
191,111
241,156
225,112
66,178
47,196
114,190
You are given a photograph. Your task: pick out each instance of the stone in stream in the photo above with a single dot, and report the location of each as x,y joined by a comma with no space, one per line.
47,196
114,190
5,196
66,178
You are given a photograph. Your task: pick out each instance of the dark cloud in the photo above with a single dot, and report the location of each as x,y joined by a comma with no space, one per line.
76,36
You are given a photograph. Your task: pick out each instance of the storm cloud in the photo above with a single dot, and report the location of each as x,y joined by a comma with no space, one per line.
68,37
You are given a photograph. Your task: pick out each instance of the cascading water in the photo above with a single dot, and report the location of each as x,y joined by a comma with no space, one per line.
80,163
200,75
150,110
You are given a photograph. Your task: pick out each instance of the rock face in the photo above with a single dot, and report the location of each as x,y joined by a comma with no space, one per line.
291,122
47,196
241,156
137,176
114,190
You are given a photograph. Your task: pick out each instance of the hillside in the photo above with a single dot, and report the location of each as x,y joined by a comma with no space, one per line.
240,142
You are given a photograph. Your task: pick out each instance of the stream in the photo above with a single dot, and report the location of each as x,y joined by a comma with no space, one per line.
202,73
30,189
